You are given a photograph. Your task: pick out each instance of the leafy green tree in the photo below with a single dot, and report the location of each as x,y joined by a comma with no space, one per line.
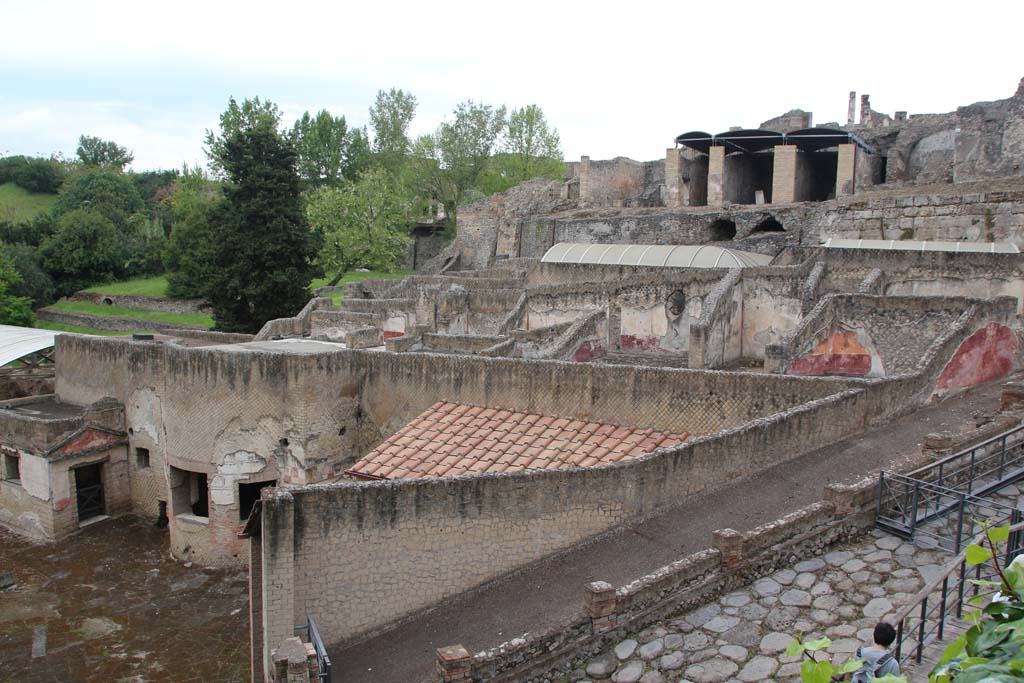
188,256
249,115
263,255
450,162
14,309
34,174
112,194
530,142
364,224
94,151
32,233
145,245
35,283
86,248
329,151
390,116
992,649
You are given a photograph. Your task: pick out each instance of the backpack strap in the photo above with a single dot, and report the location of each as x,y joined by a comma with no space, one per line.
881,661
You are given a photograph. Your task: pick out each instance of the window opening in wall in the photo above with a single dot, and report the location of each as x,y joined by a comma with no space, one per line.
884,169
769,224
248,494
723,230
12,468
142,458
189,493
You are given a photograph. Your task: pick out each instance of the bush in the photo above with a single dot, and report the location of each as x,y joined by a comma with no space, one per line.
33,174
35,283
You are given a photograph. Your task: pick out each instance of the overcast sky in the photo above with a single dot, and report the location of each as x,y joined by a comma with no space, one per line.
614,78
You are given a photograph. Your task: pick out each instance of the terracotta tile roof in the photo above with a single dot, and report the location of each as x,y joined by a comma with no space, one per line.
452,438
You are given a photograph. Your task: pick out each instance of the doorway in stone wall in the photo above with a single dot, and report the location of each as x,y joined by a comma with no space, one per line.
89,491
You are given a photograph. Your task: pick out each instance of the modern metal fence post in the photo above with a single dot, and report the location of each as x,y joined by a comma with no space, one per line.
942,606
920,631
913,508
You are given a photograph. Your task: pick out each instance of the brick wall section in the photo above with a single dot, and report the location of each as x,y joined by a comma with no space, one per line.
846,170
113,324
144,303
784,174
493,524
256,607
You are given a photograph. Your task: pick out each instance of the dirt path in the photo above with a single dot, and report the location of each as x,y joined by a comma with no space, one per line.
551,590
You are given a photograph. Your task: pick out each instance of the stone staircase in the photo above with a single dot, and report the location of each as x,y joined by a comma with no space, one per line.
660,360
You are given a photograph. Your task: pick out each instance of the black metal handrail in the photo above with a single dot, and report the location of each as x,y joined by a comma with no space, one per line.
918,625
954,483
322,659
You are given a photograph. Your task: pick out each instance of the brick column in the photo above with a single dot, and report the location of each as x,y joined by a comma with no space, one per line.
585,179
256,608
846,167
295,662
673,177
453,664
784,174
716,176
614,341
278,589
600,602
729,542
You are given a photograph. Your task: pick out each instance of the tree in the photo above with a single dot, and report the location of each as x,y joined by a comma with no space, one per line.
85,249
529,140
263,255
34,174
111,193
364,224
14,310
34,282
390,117
250,115
450,162
189,254
94,151
328,150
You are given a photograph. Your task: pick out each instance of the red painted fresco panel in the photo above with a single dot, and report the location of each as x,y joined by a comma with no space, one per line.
986,355
838,353
628,342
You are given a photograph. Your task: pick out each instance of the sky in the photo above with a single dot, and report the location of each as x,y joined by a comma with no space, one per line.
615,79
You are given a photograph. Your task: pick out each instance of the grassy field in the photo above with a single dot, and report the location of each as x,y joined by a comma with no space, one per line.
61,327
121,312
20,205
337,297
150,286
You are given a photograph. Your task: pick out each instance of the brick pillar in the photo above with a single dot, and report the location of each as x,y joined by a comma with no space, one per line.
614,341
600,602
278,560
846,167
673,177
784,174
585,179
716,176
852,111
729,542
453,664
295,662
256,608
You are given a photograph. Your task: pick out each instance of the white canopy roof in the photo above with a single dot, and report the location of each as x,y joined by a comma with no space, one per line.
917,245
659,255
18,342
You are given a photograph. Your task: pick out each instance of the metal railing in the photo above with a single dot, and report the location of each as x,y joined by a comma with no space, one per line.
925,619
914,503
322,659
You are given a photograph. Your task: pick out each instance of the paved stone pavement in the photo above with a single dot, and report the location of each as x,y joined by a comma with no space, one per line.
109,605
743,636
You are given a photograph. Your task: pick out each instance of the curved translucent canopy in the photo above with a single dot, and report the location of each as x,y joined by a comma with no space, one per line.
18,342
918,245
657,255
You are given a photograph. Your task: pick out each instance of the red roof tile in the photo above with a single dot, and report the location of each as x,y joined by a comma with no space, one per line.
450,439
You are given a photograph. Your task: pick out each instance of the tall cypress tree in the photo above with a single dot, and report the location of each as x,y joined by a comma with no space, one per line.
264,248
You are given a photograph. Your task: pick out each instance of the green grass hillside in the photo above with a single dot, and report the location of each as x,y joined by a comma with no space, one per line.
61,327
121,312
20,205
150,286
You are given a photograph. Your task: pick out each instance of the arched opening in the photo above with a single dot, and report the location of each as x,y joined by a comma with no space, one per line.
723,230
768,224
108,301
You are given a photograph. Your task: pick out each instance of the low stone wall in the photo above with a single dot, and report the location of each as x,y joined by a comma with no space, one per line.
460,343
490,525
144,303
293,327
713,337
114,324
211,336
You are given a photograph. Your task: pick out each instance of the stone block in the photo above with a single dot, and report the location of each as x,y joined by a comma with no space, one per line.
729,542
453,663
